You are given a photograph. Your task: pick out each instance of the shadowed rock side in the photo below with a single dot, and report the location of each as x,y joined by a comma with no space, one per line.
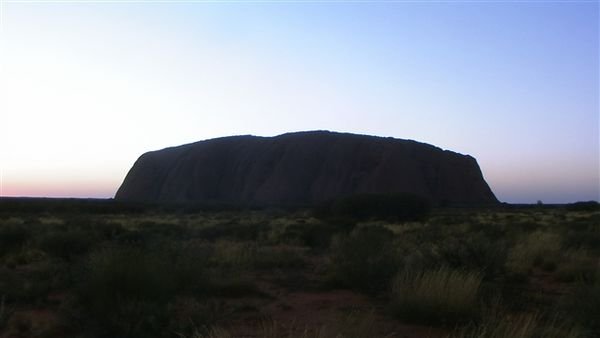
303,168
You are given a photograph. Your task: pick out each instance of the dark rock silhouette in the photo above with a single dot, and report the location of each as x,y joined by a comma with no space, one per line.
303,168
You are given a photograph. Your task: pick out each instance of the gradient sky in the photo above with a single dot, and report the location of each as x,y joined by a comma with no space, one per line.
86,87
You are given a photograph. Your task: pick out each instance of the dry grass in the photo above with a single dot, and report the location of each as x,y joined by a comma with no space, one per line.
440,296
535,249
519,326
353,325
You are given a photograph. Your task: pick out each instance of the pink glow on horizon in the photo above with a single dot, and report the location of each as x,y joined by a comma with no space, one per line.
59,189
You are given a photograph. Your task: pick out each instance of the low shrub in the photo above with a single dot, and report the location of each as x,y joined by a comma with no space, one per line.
356,324
125,290
163,230
187,314
280,257
233,230
5,312
439,296
588,239
32,286
353,325
234,255
109,231
208,332
188,270
231,284
537,249
492,231
516,327
314,235
393,207
577,265
474,252
583,306
519,326
13,236
66,244
122,273
24,256
364,260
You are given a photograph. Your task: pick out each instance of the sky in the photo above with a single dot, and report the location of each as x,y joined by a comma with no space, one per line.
86,87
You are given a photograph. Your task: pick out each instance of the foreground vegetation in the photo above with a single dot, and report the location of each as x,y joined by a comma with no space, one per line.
96,269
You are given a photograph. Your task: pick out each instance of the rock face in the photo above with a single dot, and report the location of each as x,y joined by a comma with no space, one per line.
303,168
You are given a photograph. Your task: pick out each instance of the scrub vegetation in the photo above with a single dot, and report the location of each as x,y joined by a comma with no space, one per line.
369,266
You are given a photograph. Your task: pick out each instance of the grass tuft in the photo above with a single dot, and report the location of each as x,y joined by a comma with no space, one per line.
439,296
519,326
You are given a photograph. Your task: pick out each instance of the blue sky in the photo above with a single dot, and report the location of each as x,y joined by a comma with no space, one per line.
86,87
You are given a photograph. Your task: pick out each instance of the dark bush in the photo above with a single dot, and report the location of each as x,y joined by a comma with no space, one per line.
232,230
279,258
316,235
364,260
526,226
67,244
493,231
583,306
475,252
187,268
232,285
31,287
135,238
588,239
125,291
151,235
13,237
109,231
164,230
10,284
393,207
127,274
